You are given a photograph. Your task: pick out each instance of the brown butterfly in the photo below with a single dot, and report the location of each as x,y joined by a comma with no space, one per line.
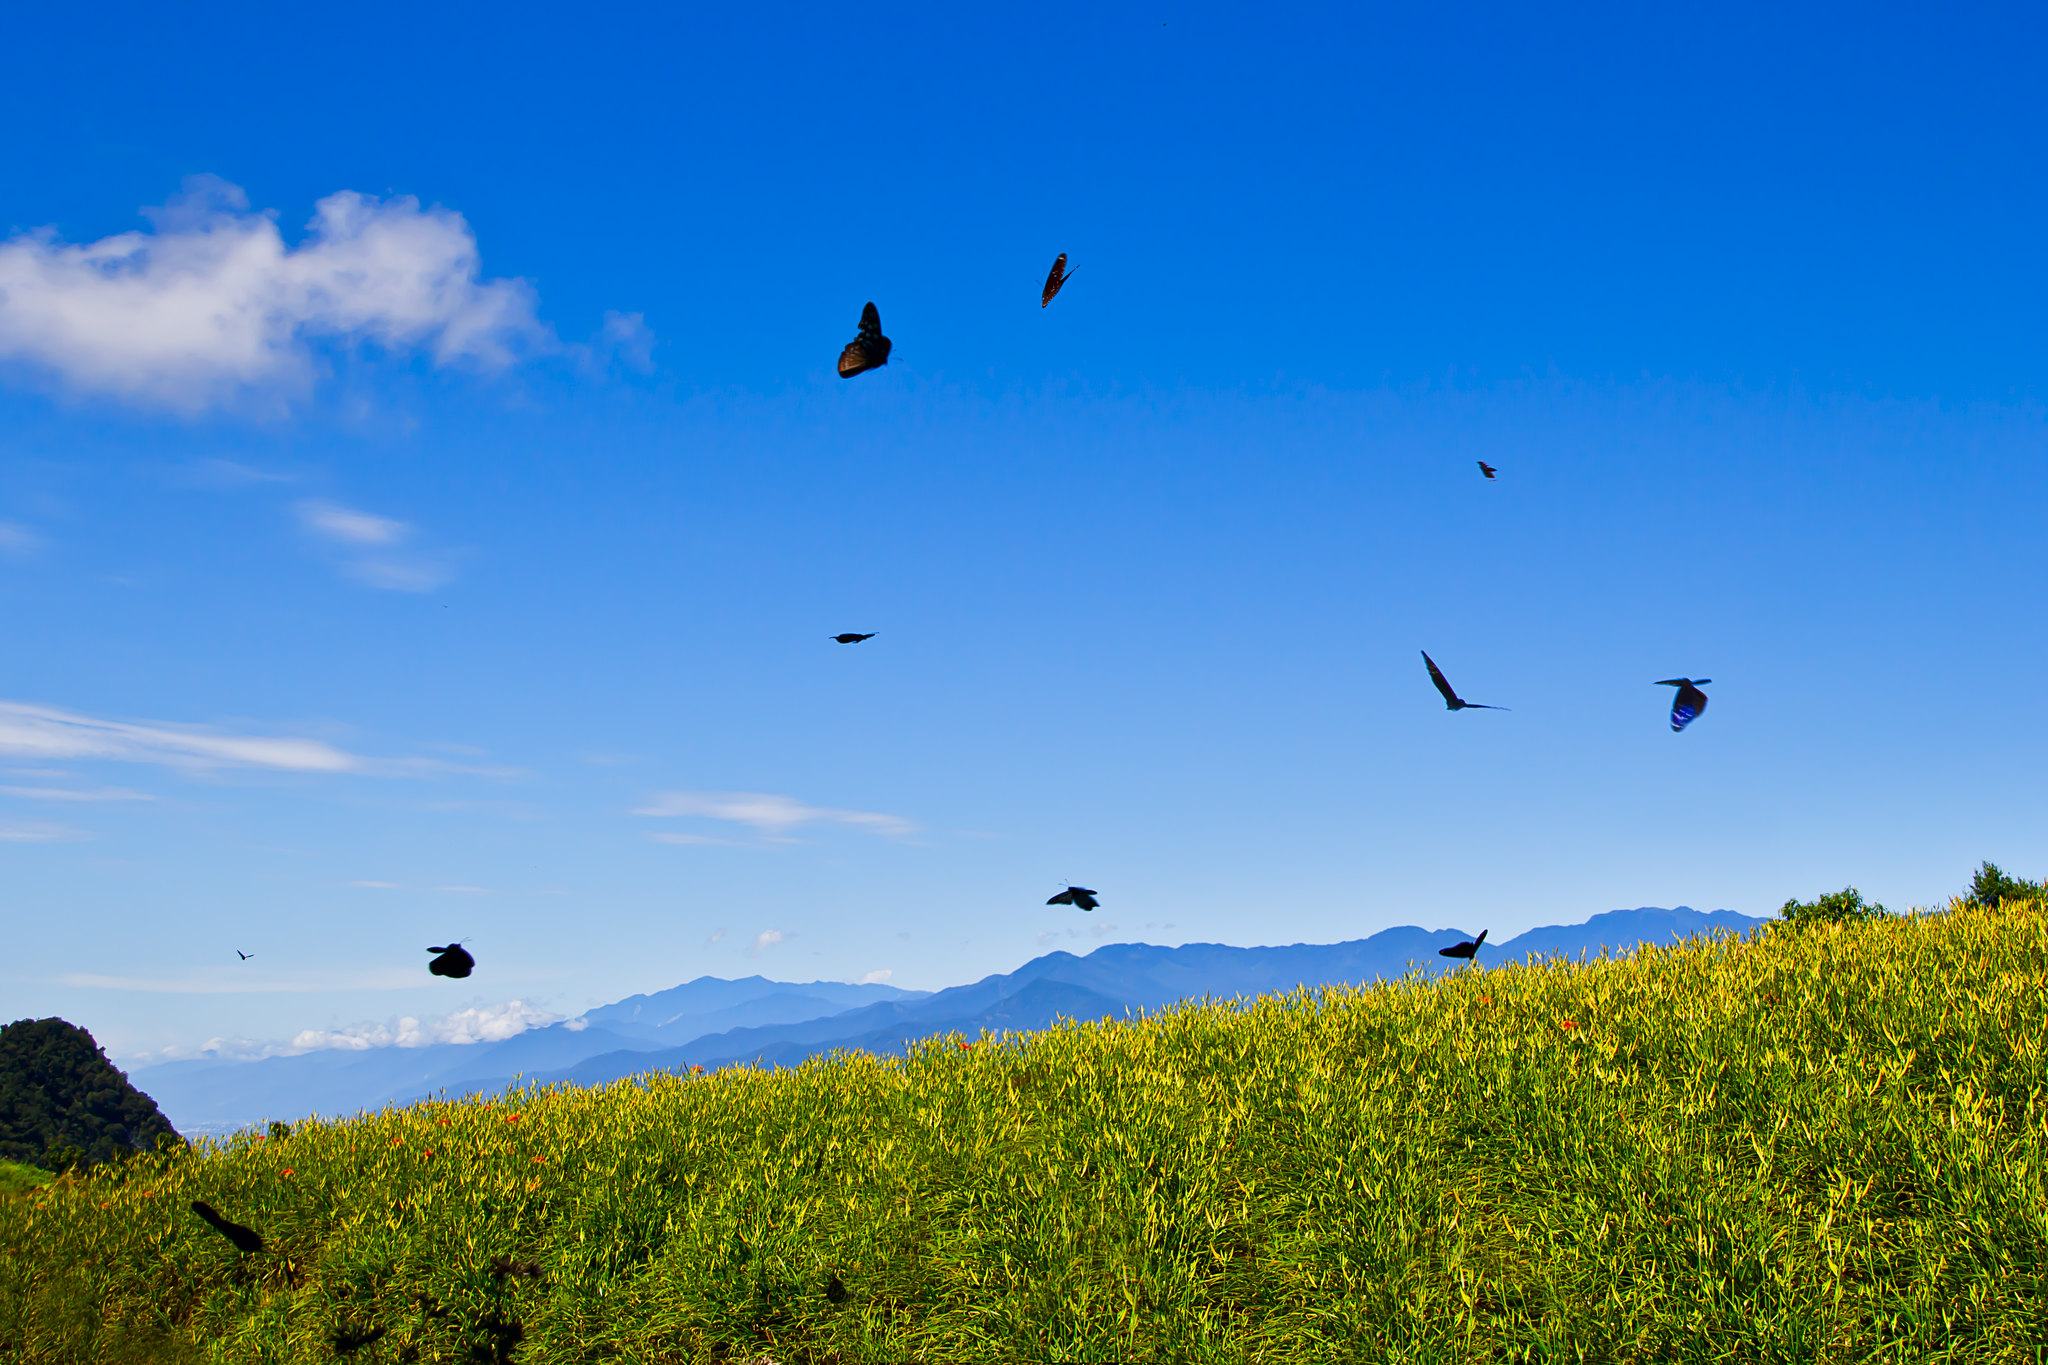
867,350
1053,281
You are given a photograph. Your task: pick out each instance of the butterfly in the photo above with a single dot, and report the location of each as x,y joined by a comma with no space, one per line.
1464,950
853,637
867,350
1078,896
1053,281
1690,701
245,1239
1486,469
454,960
1452,699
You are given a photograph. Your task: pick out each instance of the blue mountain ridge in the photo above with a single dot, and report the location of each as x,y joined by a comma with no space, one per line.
713,1022
1127,979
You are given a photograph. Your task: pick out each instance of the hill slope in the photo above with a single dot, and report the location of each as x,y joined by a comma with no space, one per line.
1820,1144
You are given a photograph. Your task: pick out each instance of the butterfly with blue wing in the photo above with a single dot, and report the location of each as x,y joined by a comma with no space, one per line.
1690,701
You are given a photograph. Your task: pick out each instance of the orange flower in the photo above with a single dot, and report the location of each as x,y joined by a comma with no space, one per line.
540,1161
286,1171
1486,1000
1569,1024
512,1118
398,1142
428,1152
442,1122
696,1071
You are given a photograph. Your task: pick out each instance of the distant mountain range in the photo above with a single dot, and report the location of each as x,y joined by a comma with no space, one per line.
712,1022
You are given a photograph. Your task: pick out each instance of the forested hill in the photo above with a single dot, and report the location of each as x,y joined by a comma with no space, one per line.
62,1101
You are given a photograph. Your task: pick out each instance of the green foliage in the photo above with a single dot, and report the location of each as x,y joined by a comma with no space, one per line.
1837,907
1820,1147
1992,887
63,1104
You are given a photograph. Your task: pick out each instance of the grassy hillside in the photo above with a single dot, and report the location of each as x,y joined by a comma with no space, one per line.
1825,1144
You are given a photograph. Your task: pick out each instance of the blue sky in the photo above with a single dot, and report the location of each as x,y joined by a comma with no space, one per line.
463,566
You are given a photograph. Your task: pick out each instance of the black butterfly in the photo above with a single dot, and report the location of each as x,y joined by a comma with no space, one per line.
850,638
1690,701
1464,950
242,955
867,350
835,1290
1053,281
245,1239
454,961
1451,699
1486,469
1078,896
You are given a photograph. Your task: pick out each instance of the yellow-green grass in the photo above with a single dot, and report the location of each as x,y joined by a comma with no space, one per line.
1823,1144
16,1178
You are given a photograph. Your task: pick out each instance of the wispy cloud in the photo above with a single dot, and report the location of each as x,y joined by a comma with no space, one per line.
231,981
349,527
44,732
379,886
375,542
212,304
763,941
40,834
17,540
76,794
772,816
876,978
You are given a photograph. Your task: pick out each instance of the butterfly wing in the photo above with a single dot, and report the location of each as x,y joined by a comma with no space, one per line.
1443,685
853,360
1063,898
1053,281
870,323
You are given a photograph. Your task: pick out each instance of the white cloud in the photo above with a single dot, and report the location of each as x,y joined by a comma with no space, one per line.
212,303
767,938
359,531
466,890
45,732
40,834
773,816
482,1024
76,794
669,838
380,886
876,978
478,1024
18,540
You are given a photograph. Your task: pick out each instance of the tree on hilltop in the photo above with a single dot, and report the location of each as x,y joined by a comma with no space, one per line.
1990,887
1837,907
63,1103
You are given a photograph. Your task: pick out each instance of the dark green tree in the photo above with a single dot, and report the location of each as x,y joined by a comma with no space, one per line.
1834,908
62,1103
1992,887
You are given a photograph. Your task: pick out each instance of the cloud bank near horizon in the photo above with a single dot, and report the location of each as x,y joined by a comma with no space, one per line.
212,305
